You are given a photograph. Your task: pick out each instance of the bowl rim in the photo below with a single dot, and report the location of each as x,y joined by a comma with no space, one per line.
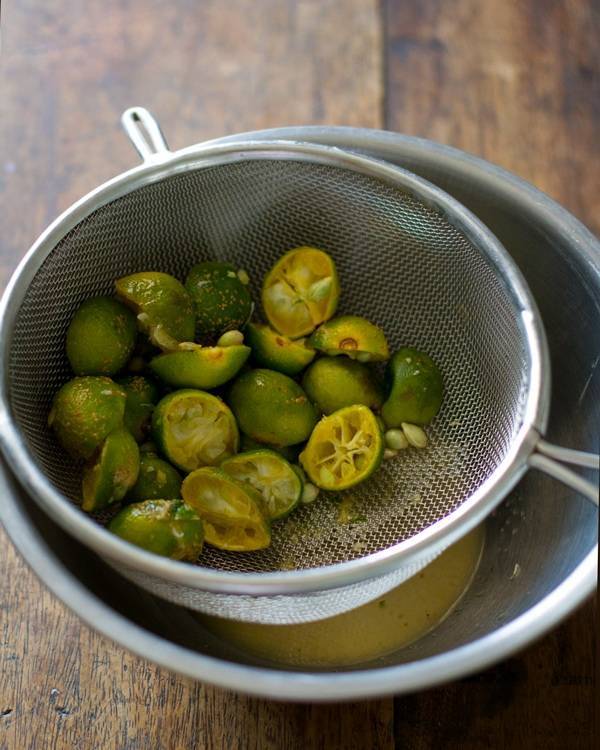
282,685
408,552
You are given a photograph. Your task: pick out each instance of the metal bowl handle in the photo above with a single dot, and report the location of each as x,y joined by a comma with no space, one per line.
145,134
547,456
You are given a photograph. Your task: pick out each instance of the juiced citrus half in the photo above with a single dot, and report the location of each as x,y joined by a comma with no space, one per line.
271,475
231,511
344,449
194,429
353,336
301,291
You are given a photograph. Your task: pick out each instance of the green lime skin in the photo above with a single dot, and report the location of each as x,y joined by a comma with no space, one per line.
272,408
84,411
275,351
221,301
156,479
194,428
414,388
164,309
100,337
353,336
113,473
142,395
334,382
166,527
289,452
203,367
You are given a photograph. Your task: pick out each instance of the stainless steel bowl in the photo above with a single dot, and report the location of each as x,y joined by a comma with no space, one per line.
544,527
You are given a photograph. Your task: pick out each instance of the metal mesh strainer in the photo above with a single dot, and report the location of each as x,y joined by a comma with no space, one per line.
409,258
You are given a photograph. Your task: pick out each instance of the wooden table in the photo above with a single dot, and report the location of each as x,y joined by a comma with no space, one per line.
514,82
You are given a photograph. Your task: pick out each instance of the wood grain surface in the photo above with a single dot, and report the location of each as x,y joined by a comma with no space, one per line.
515,82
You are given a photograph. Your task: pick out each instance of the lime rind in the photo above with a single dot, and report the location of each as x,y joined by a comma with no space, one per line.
353,336
115,471
201,366
275,351
164,309
415,389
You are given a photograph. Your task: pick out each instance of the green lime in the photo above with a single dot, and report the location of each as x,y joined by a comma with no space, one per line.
157,479
289,452
278,352
84,411
100,337
200,366
113,472
231,511
353,336
271,407
193,429
166,527
142,395
300,291
164,309
221,300
344,449
414,386
270,474
334,382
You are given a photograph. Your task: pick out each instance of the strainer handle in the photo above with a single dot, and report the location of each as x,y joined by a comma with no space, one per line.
546,458
145,133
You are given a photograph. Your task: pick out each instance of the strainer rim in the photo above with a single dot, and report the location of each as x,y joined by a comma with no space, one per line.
441,533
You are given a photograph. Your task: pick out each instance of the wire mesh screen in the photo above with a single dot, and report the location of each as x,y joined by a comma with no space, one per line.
401,264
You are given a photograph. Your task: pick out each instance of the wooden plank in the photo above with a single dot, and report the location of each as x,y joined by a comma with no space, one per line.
542,698
519,84
508,81
63,687
205,69
516,83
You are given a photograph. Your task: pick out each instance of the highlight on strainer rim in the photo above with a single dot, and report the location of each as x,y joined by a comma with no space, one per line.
194,384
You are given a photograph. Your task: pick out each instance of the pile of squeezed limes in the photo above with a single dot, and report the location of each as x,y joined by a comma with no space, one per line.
206,427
